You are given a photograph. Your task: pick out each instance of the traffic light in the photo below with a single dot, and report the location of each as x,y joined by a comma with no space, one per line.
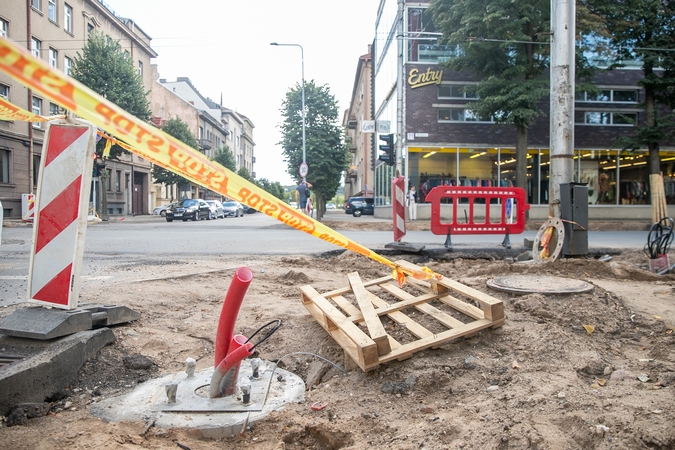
389,155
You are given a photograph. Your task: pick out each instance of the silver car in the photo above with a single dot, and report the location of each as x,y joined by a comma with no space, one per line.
234,209
217,210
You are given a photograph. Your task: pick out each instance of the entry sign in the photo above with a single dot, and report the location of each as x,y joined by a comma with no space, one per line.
304,170
61,208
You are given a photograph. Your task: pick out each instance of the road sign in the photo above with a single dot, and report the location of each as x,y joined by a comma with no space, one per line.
303,170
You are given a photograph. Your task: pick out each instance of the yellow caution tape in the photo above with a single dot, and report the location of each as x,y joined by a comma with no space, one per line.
9,111
166,151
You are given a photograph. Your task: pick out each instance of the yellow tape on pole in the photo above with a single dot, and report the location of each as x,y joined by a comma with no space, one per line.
166,151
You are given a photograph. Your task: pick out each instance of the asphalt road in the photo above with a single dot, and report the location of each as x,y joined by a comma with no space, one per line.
152,239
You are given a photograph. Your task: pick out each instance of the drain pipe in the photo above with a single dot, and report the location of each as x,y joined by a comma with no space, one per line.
228,315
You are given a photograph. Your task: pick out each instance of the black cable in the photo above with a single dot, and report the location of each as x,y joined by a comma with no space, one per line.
277,321
660,238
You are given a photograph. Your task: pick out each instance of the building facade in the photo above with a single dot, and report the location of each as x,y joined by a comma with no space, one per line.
360,129
55,30
442,142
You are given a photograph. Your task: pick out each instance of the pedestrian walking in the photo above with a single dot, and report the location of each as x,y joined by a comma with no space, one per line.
302,191
412,203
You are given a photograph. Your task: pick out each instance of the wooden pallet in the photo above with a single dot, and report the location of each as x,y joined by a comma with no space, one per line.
353,315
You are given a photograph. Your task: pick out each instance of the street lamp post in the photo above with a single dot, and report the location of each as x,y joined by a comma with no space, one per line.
302,55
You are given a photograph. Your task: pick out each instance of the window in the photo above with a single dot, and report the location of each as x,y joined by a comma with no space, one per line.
67,65
460,115
35,4
36,168
37,110
108,181
455,91
54,109
4,91
35,46
4,25
4,166
90,28
605,118
51,12
68,18
118,181
611,96
53,57
140,69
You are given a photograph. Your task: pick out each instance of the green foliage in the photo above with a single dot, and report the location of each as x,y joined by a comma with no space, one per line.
504,44
225,158
326,154
273,187
245,174
178,129
110,72
642,30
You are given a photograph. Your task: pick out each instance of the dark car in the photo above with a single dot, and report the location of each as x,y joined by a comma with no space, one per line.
194,208
233,209
357,206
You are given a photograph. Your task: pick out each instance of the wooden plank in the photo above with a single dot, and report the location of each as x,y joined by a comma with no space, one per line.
346,290
463,307
492,307
393,307
401,318
444,318
373,324
367,346
351,310
436,340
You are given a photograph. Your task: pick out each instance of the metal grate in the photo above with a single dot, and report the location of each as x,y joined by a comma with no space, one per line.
6,360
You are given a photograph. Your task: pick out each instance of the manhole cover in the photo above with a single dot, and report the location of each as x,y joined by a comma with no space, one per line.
529,284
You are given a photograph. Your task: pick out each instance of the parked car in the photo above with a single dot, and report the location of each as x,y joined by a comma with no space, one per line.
330,206
193,208
161,210
357,206
234,209
250,210
217,210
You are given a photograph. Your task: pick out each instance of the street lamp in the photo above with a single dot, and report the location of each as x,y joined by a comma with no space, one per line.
302,54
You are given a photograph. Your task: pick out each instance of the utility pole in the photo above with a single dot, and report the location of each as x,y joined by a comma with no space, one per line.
562,99
400,88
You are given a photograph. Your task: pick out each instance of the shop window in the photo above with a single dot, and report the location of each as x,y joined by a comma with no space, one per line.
605,118
4,166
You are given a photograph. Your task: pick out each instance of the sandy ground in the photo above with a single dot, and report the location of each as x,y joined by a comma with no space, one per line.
541,381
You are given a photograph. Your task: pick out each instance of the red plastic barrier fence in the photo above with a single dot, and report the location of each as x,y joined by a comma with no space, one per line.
507,199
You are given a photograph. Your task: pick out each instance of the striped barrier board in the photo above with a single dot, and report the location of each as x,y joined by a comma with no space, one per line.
27,207
398,207
61,210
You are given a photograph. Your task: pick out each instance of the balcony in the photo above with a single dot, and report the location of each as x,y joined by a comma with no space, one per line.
352,173
205,144
351,124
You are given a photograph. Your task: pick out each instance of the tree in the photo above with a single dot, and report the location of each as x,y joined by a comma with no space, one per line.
178,129
106,69
325,154
225,158
502,42
245,174
273,187
643,30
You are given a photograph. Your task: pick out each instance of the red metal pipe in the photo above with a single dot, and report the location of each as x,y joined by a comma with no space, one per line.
228,315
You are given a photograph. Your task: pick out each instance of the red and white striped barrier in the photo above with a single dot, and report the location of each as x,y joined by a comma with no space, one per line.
61,213
398,207
28,207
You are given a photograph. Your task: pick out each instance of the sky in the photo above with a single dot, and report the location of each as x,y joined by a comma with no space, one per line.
223,47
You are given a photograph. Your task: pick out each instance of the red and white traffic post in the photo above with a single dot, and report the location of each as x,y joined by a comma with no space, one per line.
61,208
398,207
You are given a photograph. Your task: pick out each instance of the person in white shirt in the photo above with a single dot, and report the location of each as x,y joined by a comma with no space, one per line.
412,203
